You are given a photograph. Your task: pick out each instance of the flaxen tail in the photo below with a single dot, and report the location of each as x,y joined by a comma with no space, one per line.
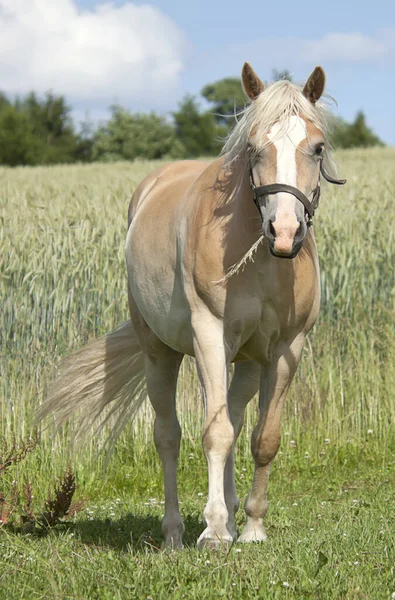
102,382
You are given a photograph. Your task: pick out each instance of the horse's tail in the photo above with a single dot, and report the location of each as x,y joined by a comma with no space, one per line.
109,370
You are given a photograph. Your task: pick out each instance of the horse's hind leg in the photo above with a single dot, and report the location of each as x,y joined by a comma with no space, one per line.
162,365
244,386
161,373
265,441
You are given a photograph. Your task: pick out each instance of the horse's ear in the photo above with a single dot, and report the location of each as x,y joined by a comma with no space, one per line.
315,85
253,86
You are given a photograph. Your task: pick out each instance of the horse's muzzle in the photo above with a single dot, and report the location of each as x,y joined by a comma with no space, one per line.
295,251
284,242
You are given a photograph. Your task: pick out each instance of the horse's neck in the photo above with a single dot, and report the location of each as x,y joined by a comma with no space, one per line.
241,225
247,219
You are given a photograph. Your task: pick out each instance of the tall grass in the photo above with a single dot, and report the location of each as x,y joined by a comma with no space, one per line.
63,282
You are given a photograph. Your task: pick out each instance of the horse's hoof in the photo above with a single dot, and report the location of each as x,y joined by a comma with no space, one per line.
252,535
214,541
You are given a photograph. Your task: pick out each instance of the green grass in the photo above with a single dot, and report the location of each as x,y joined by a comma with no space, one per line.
331,529
63,282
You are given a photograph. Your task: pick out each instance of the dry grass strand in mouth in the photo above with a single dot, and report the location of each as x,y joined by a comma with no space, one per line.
240,264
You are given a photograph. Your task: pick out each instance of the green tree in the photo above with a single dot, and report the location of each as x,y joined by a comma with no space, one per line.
51,124
84,142
36,131
354,135
18,145
227,97
128,136
4,101
198,132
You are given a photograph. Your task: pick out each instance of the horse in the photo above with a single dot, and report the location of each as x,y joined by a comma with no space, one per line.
226,271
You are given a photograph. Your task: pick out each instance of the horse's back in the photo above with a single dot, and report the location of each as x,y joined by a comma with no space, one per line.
160,183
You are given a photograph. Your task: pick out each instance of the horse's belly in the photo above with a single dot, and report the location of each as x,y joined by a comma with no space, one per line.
165,316
158,294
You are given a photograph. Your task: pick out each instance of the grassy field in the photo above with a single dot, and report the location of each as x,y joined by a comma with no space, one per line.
331,520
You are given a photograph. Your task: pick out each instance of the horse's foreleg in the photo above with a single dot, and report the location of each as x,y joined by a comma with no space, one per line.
265,441
161,373
244,386
218,433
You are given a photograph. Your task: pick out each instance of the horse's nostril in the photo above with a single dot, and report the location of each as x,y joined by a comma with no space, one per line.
271,229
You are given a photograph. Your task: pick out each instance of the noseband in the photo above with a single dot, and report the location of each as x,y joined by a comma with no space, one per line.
310,206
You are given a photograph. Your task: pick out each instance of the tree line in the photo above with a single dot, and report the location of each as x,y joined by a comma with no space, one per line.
40,131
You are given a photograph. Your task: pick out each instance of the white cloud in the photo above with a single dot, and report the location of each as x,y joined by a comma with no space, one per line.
348,47
334,48
131,53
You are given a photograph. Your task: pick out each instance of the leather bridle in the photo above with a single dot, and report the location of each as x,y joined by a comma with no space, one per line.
263,191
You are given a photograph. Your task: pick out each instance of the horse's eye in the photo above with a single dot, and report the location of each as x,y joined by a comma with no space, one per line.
319,150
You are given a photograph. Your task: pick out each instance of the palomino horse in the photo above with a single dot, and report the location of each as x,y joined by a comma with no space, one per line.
194,289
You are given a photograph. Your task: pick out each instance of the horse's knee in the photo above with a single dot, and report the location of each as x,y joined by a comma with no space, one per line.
218,436
264,447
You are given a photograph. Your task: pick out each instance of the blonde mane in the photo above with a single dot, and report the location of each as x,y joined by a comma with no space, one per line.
276,104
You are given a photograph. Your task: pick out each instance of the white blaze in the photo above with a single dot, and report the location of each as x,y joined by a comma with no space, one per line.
286,146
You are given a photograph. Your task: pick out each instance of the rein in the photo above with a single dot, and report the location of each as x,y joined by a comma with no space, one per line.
264,191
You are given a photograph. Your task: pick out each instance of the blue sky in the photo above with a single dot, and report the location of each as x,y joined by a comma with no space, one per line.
148,55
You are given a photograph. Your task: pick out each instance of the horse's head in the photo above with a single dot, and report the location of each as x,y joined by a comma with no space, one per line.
286,149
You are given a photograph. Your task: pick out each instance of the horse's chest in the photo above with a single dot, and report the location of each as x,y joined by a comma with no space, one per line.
254,335
273,318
